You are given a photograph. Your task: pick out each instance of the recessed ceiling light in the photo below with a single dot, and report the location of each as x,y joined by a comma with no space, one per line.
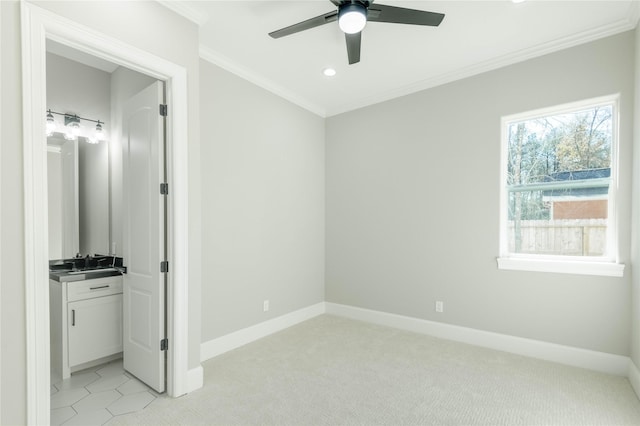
518,1
329,72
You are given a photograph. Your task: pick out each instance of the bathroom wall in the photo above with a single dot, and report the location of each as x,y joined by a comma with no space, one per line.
79,89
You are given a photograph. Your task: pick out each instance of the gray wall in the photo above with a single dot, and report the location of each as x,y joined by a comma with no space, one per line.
12,299
262,204
413,204
144,25
79,89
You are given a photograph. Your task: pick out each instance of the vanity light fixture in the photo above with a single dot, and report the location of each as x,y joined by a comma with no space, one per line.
72,127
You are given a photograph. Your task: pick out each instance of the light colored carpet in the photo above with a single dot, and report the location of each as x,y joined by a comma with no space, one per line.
335,371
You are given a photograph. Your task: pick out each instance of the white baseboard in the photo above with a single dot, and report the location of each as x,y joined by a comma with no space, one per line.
634,377
583,358
576,357
239,338
195,378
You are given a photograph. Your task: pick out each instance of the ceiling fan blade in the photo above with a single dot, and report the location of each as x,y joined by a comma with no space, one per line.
353,47
305,25
401,15
336,2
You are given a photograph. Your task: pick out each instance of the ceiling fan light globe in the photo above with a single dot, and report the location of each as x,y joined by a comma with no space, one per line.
352,18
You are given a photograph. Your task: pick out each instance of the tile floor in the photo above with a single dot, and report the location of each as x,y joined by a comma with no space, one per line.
95,395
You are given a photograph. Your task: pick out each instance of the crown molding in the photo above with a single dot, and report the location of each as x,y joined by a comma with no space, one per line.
625,24
224,62
628,23
197,17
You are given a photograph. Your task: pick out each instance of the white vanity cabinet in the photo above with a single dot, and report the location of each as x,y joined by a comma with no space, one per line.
86,322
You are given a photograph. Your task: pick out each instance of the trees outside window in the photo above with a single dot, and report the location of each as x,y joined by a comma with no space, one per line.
558,181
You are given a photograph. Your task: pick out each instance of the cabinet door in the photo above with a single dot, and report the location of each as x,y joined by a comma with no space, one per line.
95,328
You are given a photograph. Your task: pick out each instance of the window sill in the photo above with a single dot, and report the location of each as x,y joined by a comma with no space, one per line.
608,269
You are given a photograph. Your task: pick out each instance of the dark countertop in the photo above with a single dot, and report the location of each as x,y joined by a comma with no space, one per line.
68,276
80,268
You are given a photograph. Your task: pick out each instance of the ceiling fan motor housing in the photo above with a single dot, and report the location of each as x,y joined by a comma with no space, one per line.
352,16
365,3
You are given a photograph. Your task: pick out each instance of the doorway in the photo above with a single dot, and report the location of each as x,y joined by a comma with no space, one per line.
37,26
112,185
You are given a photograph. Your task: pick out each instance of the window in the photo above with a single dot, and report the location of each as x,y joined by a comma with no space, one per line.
558,189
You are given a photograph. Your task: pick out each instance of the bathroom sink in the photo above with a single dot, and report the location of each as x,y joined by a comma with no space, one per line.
67,266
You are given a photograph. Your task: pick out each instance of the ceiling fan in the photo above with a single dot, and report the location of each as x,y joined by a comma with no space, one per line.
352,16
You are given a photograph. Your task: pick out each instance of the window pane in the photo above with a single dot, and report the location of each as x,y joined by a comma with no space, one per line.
558,175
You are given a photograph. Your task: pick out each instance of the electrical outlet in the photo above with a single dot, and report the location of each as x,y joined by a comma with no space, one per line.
265,305
439,306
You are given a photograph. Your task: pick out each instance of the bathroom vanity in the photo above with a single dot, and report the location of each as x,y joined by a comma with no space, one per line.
86,318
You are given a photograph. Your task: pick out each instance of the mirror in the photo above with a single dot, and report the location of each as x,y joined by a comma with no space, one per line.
79,197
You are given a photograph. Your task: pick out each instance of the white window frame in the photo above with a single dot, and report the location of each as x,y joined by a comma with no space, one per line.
585,265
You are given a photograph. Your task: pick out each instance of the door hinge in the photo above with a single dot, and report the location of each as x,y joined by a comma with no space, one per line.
164,110
164,344
164,188
164,266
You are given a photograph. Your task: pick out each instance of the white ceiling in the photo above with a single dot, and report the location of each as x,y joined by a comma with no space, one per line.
475,36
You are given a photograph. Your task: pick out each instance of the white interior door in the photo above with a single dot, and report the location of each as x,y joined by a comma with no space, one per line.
144,236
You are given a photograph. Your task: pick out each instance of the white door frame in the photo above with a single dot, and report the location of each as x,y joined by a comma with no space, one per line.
37,25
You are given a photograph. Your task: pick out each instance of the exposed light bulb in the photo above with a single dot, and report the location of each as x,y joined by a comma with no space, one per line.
51,124
72,130
99,135
75,129
352,18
